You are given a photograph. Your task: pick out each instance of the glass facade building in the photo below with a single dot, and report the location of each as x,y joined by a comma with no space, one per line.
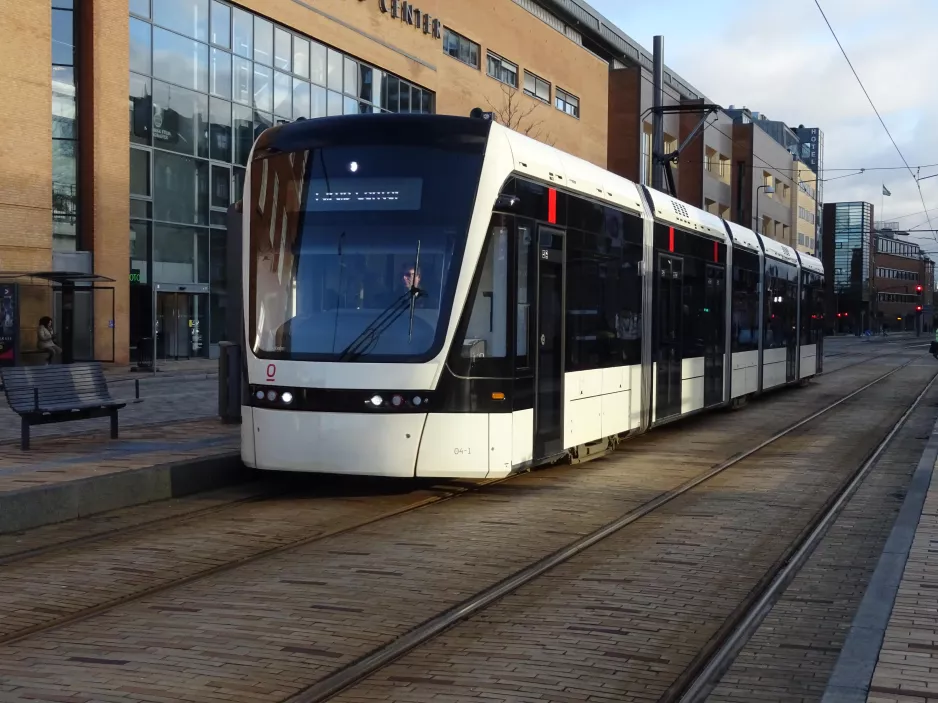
206,78
848,231
64,127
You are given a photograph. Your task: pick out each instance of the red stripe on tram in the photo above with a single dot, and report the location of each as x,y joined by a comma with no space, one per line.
671,239
552,206
716,253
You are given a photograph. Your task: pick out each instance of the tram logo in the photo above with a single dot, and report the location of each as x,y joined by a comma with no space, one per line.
271,373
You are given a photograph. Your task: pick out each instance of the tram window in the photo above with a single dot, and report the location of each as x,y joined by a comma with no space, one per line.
812,307
487,332
696,316
584,215
781,309
604,292
745,326
525,293
588,294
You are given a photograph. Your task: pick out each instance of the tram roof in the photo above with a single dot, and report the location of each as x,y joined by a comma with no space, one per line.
810,263
778,251
569,172
743,238
672,211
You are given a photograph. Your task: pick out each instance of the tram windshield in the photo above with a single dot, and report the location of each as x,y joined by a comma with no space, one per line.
356,248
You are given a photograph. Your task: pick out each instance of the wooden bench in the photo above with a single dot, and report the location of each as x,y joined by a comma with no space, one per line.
41,395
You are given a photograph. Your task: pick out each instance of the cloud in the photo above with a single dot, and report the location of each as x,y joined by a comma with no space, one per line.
783,62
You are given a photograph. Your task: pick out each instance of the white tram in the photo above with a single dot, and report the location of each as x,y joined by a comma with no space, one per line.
434,296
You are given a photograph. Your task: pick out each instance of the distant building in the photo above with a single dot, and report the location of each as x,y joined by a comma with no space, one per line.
807,207
847,253
765,186
812,153
903,281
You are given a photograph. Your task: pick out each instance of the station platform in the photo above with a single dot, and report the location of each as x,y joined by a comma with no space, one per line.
891,651
171,444
73,476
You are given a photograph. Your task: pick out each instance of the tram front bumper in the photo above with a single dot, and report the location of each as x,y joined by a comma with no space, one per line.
337,443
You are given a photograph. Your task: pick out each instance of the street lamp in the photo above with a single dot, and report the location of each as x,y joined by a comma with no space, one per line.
769,190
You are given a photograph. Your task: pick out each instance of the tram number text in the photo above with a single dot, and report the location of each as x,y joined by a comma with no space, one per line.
459,451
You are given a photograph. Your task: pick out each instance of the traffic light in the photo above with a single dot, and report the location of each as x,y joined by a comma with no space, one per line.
918,308
918,289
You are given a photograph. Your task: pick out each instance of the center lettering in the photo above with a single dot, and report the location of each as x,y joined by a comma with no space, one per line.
409,14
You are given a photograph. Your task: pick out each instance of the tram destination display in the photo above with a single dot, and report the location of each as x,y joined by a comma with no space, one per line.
363,194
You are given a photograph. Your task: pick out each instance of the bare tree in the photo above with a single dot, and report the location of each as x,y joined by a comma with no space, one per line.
520,115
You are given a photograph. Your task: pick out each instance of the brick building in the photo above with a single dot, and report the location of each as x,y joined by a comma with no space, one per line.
903,283
118,230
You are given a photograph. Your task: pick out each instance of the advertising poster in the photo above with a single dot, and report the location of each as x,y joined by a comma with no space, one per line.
9,325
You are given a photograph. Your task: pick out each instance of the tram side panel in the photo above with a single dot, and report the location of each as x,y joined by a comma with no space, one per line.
603,322
780,330
811,324
688,322
746,328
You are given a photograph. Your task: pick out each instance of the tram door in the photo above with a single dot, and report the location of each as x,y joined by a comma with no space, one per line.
548,403
714,349
792,333
669,316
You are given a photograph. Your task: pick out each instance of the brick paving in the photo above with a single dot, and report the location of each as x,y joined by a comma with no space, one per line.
907,670
622,621
67,458
270,627
792,655
177,395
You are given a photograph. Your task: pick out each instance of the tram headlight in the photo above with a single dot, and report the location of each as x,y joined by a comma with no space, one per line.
377,400
259,395
397,401
417,400
287,397
271,396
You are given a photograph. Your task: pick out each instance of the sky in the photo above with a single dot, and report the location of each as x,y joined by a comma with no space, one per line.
780,59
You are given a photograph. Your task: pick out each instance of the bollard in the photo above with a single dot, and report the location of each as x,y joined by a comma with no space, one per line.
235,380
223,348
229,383
137,388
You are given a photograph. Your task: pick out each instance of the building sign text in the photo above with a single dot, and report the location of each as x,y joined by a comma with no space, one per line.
415,17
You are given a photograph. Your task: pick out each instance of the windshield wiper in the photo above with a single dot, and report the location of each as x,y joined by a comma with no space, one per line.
414,293
365,342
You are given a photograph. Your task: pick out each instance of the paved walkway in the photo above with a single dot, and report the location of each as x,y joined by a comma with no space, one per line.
183,390
62,459
891,652
907,669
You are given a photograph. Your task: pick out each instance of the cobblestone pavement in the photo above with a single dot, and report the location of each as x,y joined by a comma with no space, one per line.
792,655
622,621
268,628
907,670
161,400
67,458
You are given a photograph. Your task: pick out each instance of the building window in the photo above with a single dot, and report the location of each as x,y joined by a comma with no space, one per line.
502,70
566,102
460,48
536,87
64,129
725,169
207,78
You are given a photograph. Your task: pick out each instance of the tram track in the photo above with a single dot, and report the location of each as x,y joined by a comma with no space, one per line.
11,638
705,672
263,492
348,677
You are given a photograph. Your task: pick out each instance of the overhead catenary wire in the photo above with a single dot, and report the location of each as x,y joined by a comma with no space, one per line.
872,104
